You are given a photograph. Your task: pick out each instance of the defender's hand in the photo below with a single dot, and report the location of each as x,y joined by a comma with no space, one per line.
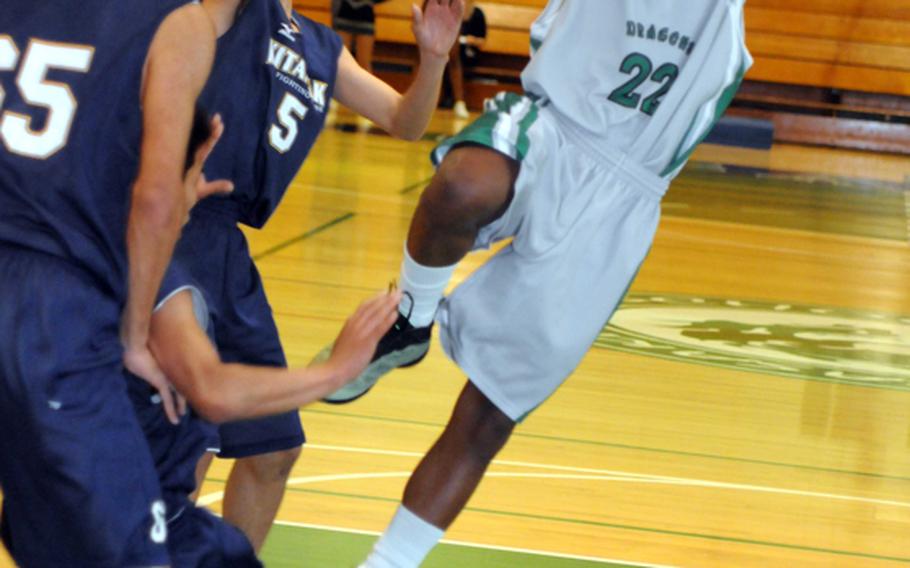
357,341
195,185
140,362
437,27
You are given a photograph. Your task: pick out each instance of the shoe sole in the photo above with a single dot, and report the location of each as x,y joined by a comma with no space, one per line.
407,357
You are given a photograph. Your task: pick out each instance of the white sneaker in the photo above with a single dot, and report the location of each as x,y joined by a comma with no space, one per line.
461,110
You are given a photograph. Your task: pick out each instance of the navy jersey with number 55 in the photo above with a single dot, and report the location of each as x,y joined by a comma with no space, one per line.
70,126
272,82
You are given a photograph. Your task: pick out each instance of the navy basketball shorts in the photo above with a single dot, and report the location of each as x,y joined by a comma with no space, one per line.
215,252
79,485
196,538
199,539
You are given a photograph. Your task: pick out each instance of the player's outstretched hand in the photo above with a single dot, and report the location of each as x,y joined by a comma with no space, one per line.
437,27
357,341
142,363
196,186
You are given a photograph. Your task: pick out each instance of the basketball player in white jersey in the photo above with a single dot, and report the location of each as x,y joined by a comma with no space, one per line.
618,94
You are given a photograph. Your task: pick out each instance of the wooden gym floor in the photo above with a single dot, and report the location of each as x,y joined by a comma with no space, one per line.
749,406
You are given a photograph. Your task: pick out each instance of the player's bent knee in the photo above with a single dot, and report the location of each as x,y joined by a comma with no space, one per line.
489,437
473,185
273,466
485,431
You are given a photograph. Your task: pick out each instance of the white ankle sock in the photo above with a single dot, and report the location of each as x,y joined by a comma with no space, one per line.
426,285
405,543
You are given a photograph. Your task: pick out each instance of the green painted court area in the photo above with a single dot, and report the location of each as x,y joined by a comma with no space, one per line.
292,546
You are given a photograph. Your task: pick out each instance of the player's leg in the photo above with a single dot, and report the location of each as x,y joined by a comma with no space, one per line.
347,39
79,484
522,322
456,78
216,253
199,539
472,190
202,468
474,435
254,492
266,449
444,481
364,50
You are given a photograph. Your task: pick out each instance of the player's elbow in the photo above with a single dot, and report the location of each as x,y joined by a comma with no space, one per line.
207,395
407,132
214,409
157,205
406,126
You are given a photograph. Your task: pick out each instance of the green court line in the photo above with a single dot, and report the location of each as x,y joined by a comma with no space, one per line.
623,446
415,185
311,233
619,526
293,546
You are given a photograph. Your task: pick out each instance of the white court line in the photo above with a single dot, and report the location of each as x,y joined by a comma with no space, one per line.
485,546
614,475
593,475
578,473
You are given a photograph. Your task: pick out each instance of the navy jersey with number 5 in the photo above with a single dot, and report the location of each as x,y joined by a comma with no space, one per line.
272,82
70,125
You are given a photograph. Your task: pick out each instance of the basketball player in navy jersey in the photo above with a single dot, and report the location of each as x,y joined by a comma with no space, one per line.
96,102
273,80
180,342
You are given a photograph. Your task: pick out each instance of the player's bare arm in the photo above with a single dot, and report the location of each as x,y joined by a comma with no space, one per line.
178,65
189,359
405,116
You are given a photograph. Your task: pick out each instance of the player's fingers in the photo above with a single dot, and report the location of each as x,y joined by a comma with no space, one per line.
381,303
384,323
167,402
416,16
383,313
362,315
217,129
181,403
212,187
217,124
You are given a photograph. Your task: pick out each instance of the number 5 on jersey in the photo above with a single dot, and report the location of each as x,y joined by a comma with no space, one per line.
40,57
290,111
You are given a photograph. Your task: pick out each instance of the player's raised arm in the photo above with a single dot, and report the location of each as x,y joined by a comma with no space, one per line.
405,116
178,65
226,392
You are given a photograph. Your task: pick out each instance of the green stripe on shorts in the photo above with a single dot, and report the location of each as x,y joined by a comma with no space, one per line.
503,126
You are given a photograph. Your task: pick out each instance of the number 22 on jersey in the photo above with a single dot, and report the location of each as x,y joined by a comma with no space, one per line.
40,57
640,67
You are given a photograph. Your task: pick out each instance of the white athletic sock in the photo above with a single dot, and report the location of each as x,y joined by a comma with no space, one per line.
405,543
426,285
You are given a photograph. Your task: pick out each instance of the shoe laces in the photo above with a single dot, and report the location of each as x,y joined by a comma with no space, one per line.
408,295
